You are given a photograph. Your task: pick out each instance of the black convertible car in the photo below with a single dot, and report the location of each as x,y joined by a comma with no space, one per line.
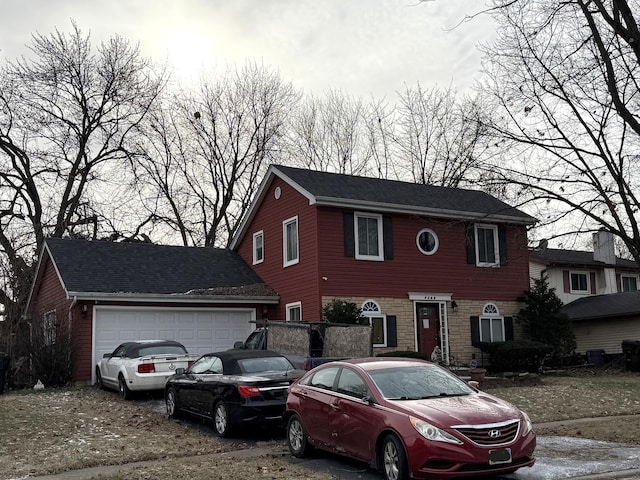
232,388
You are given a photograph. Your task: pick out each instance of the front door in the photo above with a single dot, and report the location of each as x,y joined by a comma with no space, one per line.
428,327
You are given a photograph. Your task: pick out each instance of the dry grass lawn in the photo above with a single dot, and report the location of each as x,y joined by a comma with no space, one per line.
54,431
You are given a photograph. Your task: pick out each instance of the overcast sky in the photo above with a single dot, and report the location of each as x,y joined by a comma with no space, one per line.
362,47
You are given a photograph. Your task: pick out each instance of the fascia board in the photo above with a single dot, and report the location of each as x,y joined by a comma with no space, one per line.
170,298
414,210
36,278
259,197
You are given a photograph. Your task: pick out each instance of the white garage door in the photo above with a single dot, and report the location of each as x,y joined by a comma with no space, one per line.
200,330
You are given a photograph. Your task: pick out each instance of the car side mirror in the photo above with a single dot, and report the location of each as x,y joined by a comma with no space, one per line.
106,355
180,371
368,399
238,345
474,384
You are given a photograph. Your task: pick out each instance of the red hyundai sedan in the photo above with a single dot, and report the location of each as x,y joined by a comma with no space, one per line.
408,418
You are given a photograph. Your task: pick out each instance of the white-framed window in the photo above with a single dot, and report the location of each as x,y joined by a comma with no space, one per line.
487,247
258,247
579,282
290,241
491,324
427,241
49,321
371,310
294,312
629,283
368,233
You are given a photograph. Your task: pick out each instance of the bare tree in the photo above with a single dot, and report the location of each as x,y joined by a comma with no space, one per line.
66,114
207,151
438,137
333,134
564,80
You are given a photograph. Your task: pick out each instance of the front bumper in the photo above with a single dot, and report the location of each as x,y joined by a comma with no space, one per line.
441,460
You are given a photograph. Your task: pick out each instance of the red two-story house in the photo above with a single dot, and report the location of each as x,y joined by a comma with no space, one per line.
430,266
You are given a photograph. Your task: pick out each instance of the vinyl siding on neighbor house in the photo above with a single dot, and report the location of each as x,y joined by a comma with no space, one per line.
607,335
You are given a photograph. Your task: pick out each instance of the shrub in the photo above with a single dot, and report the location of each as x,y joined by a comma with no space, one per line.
404,354
339,311
517,355
543,321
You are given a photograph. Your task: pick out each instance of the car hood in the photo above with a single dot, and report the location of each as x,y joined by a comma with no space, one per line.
471,409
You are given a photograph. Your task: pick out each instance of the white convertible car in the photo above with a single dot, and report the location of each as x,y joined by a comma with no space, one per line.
141,365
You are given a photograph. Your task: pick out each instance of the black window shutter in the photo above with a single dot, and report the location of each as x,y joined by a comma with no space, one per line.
470,243
392,333
475,331
349,235
508,328
387,237
566,281
502,243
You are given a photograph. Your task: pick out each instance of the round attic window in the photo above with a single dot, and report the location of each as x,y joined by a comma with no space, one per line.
277,193
427,241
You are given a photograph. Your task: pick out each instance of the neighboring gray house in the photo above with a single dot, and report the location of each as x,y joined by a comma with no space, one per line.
602,322
599,290
577,274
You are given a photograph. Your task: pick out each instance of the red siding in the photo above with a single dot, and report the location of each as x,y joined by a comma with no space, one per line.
447,271
297,282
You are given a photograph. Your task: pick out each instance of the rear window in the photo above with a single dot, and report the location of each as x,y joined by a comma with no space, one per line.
264,364
161,350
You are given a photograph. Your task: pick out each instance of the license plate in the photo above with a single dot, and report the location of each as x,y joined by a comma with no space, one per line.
496,457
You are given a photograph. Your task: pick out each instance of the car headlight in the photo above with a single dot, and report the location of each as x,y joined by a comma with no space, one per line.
432,433
527,426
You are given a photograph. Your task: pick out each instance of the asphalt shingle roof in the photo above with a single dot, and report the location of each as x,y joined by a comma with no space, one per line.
575,257
108,267
600,306
324,185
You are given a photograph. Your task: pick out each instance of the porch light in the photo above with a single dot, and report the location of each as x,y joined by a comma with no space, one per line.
454,305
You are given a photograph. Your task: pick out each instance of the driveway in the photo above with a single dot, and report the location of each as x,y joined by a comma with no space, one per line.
557,458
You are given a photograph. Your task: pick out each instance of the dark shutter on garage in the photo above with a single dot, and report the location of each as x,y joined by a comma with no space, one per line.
475,331
392,331
592,276
508,328
470,243
387,237
502,243
349,234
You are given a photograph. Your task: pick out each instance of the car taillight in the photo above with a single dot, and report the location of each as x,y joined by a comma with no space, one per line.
307,365
248,390
146,368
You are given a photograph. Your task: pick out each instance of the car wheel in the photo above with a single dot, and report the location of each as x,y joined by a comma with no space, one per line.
124,391
297,437
99,381
171,400
221,419
394,459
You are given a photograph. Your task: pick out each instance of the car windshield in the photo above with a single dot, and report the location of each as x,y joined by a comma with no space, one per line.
418,382
264,364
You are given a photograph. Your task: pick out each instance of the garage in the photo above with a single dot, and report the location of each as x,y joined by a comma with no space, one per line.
201,330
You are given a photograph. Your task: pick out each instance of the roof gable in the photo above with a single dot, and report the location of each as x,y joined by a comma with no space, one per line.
375,194
89,267
603,306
